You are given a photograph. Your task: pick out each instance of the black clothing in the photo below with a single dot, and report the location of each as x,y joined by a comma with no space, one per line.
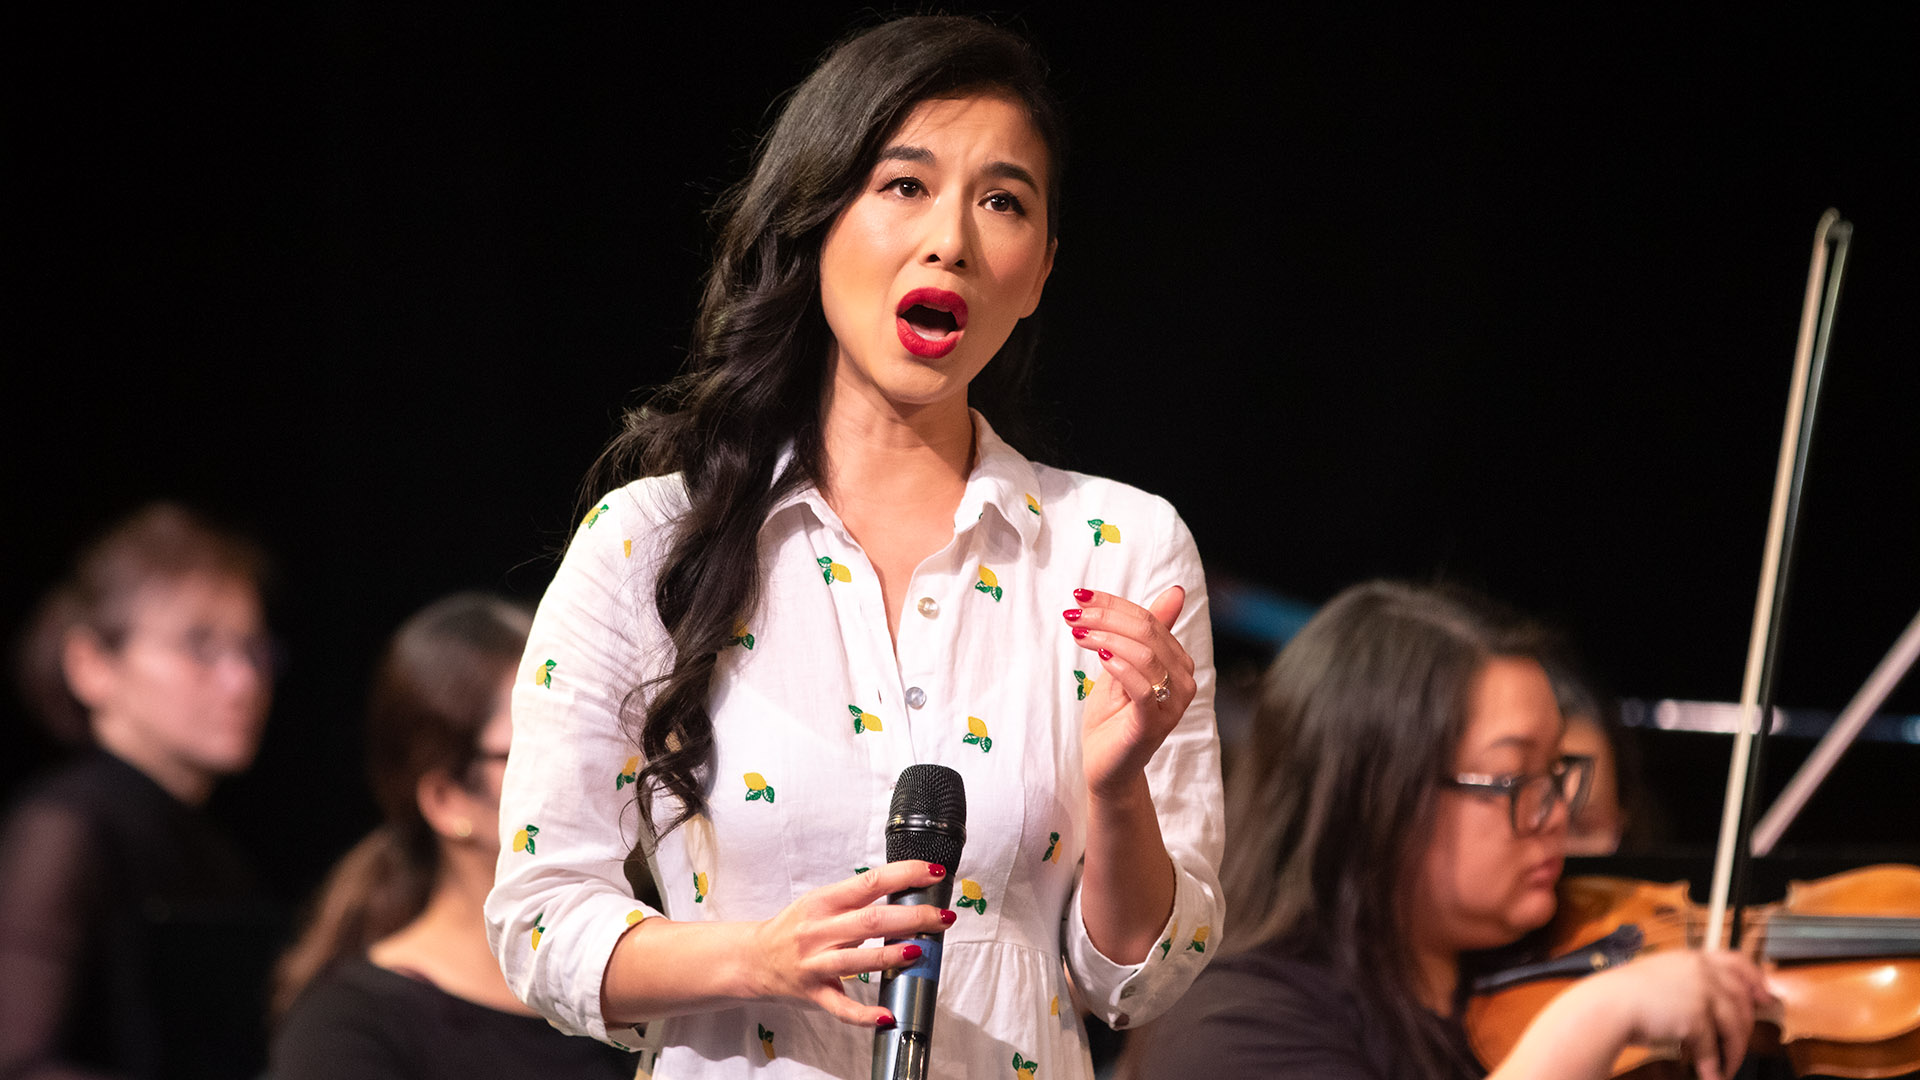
363,1022
1268,1012
134,939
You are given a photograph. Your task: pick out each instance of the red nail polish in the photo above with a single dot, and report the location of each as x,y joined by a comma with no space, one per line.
1079,632
936,869
947,916
1083,595
911,952
885,1022
1106,654
1072,614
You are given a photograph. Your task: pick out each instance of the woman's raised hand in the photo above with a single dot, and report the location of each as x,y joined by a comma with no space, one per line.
1147,686
806,950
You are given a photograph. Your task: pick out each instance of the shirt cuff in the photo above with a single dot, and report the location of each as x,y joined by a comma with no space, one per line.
591,931
1127,995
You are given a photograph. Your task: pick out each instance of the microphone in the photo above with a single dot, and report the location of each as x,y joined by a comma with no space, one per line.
928,820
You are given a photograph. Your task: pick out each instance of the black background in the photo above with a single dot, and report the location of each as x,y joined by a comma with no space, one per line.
1511,300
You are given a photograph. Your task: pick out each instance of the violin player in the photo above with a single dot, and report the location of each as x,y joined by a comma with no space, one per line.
1402,805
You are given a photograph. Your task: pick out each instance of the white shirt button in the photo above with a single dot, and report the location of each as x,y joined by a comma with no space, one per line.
916,697
929,607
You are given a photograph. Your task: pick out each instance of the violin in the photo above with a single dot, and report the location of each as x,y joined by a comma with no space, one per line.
1842,953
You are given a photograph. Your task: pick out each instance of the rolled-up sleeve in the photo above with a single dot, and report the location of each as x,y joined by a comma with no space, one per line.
568,816
1184,776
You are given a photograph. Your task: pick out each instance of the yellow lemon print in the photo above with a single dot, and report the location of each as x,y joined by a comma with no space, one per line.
757,787
629,773
766,1040
538,929
832,571
740,636
1104,533
977,734
1199,942
626,549
1052,853
699,887
1082,685
971,897
593,515
635,916
988,583
543,674
1053,1007
1024,1068
863,721
1033,505
523,840
1167,945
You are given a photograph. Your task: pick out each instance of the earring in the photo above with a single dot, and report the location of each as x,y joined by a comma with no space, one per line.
463,828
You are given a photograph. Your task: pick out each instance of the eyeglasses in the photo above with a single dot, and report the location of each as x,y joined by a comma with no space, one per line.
1531,799
206,648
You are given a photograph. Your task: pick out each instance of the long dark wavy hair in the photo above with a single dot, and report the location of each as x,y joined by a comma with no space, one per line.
1332,802
756,367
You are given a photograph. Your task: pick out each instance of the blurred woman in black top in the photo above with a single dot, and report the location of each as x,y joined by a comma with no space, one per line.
392,978
130,936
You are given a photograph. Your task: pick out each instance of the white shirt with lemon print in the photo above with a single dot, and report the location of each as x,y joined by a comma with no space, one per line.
816,712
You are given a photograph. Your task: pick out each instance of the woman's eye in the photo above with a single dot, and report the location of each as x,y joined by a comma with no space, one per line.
1005,202
906,186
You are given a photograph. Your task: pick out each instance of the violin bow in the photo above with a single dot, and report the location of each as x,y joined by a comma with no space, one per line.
1852,719
1730,866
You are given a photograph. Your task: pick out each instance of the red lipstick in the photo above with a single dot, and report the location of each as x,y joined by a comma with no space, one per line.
930,322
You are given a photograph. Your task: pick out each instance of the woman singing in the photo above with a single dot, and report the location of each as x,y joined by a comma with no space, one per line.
830,568
1403,804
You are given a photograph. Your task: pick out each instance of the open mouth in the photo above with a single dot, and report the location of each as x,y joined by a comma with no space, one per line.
930,321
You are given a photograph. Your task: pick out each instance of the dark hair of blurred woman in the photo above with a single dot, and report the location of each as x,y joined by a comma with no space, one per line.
435,691
1365,708
392,977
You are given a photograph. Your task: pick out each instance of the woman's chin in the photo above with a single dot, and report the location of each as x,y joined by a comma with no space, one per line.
1535,909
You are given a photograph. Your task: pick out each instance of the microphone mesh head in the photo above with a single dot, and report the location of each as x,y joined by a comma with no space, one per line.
928,819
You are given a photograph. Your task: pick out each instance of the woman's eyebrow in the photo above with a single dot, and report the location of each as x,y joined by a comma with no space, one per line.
999,170
901,152
1518,742
1007,170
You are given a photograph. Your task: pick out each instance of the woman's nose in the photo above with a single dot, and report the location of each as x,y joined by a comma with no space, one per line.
949,235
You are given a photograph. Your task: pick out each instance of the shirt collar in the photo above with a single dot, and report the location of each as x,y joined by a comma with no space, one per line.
1002,480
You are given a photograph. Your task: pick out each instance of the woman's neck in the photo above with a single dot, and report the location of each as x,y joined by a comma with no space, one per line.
447,942
1436,977
895,476
882,454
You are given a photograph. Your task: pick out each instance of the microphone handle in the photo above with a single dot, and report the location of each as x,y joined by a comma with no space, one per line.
903,1052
